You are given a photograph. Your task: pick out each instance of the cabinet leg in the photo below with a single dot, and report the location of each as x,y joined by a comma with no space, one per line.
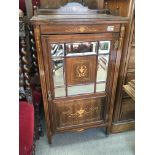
107,132
49,139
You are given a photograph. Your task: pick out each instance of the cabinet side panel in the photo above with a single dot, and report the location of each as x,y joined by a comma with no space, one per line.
42,80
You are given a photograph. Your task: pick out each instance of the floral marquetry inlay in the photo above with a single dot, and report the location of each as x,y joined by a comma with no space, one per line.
81,71
73,112
81,112
80,29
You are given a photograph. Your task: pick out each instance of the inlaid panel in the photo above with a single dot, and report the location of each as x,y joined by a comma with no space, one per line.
78,28
80,69
74,112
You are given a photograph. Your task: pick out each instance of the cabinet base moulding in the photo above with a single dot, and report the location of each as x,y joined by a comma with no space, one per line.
120,127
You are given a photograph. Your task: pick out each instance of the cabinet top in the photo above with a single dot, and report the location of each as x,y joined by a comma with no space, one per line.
92,18
73,13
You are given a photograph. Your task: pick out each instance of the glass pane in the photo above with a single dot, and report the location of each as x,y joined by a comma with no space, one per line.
100,87
60,92
58,72
57,50
104,47
102,68
84,48
81,89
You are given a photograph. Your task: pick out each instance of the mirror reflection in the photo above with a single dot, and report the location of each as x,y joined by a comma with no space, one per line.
57,50
102,68
81,89
100,87
58,72
104,47
60,92
83,48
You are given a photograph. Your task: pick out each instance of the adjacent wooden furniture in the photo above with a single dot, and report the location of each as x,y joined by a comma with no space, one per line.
27,87
124,110
79,52
26,109
24,68
130,89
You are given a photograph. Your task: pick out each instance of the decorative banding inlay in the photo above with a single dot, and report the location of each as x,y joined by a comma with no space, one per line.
81,29
77,28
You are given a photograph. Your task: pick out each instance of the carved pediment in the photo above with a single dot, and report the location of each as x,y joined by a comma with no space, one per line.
73,7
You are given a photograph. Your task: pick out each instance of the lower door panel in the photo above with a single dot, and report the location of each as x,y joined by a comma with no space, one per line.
79,111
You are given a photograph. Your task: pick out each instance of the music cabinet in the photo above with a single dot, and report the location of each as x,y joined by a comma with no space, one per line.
79,52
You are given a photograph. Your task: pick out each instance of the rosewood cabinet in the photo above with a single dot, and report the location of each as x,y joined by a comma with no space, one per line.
79,56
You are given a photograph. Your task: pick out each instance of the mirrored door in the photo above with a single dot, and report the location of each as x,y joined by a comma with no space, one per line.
79,67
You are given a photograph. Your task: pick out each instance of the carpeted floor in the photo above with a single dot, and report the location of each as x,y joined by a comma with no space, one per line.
89,142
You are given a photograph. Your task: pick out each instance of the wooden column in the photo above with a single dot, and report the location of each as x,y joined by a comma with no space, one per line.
33,50
24,58
21,78
43,81
117,46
